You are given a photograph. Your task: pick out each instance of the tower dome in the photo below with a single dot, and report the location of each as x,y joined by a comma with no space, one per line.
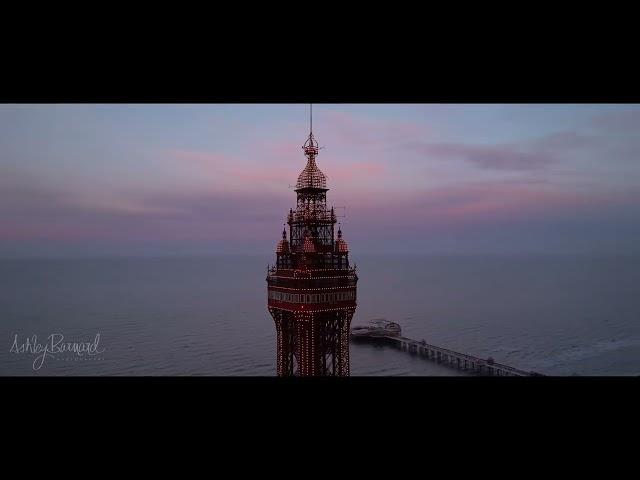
311,176
283,245
341,245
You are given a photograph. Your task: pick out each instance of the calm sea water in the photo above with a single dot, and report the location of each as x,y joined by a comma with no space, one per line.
207,316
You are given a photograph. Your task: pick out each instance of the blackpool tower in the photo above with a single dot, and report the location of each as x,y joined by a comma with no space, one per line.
312,288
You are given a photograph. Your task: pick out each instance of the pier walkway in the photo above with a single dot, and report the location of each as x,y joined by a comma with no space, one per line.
458,360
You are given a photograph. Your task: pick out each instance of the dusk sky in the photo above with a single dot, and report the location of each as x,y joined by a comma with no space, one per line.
95,180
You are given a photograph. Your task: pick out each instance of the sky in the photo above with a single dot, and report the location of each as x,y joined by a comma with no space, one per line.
202,179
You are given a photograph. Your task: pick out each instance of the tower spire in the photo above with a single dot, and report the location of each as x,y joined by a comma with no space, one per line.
311,146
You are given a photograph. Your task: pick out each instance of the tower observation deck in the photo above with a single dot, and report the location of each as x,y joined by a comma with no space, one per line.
312,287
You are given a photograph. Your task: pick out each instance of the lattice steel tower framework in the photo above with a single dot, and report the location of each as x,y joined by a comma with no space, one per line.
312,288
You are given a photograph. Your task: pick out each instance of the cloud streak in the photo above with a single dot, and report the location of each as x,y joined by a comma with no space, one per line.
495,157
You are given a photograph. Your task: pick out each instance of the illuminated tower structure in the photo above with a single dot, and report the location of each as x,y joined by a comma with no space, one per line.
312,287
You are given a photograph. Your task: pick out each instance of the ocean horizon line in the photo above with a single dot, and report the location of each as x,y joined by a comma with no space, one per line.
592,255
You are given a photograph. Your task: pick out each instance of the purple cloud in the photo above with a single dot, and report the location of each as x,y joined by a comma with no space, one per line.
496,157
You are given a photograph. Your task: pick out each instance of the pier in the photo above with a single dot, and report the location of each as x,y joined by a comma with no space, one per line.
444,356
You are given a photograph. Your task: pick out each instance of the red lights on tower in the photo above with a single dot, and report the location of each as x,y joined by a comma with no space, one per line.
312,287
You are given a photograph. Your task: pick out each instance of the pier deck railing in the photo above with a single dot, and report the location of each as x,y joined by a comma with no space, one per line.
462,361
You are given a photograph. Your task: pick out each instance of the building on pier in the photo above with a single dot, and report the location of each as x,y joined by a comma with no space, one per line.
312,286
379,328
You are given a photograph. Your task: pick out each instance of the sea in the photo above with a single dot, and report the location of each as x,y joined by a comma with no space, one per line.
554,314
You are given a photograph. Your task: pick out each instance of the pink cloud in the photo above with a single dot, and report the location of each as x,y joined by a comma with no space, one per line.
231,218
239,170
479,203
280,162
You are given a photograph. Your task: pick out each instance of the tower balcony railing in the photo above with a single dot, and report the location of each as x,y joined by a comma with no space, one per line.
320,271
323,275
311,215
